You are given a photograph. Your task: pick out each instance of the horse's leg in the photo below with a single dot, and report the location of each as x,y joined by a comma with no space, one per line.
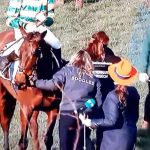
52,116
79,3
7,107
25,116
34,130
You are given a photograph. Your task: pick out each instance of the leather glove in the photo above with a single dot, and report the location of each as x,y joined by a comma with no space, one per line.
41,16
143,77
85,121
30,27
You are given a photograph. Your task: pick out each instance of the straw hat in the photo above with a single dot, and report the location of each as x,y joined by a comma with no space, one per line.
123,73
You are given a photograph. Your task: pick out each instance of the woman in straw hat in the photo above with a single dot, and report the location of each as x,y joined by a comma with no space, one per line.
120,108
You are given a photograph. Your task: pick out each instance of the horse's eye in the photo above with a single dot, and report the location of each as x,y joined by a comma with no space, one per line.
35,34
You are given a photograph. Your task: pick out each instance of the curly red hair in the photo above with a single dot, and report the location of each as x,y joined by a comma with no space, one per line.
101,35
122,93
95,50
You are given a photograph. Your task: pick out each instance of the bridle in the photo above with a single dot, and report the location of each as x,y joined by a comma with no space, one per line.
29,71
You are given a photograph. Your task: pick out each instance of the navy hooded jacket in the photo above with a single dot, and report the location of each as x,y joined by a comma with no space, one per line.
76,89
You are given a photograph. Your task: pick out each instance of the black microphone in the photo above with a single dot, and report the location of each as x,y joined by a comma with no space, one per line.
87,106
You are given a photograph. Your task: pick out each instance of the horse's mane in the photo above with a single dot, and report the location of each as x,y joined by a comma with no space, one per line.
46,64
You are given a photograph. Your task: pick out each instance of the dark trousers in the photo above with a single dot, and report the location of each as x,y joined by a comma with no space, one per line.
97,114
99,136
147,106
68,134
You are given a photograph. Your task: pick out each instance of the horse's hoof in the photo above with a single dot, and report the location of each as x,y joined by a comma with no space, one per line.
48,142
6,147
23,144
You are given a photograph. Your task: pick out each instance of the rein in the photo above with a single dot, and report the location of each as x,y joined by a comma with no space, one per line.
2,73
3,50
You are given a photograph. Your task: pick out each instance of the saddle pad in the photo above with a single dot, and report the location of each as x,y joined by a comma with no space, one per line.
13,70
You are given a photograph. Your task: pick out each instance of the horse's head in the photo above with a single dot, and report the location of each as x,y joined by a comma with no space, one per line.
28,55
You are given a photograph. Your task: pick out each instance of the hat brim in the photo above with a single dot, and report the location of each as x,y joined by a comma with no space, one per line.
119,80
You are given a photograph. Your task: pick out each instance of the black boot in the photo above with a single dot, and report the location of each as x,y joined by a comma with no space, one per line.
57,53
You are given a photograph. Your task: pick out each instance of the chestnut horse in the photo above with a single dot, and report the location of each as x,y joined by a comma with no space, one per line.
34,56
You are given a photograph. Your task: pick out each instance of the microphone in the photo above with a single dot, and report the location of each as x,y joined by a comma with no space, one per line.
87,106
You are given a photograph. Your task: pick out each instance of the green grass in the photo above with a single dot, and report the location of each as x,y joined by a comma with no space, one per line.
143,140
119,19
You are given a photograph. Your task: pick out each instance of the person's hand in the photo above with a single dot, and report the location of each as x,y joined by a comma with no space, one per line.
30,27
33,78
81,117
143,77
41,16
86,122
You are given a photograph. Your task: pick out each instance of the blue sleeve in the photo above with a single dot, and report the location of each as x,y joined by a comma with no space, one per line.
57,81
111,114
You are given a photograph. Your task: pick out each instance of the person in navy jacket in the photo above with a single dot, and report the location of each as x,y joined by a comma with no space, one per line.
79,84
121,110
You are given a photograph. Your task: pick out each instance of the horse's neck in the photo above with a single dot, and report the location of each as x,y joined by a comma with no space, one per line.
46,65
9,87
12,46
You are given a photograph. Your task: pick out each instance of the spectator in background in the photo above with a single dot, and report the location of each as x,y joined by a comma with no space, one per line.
102,57
139,52
144,68
121,110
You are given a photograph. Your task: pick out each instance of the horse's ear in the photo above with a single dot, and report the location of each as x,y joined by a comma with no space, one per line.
43,34
24,33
